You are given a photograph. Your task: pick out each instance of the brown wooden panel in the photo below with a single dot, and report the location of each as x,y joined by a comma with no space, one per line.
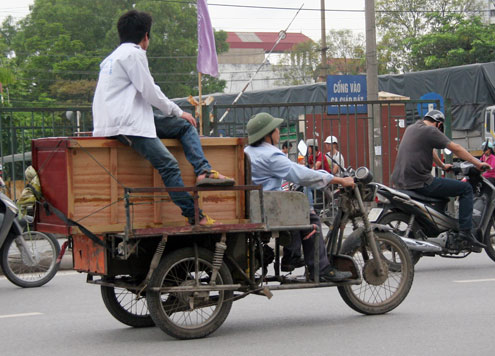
99,169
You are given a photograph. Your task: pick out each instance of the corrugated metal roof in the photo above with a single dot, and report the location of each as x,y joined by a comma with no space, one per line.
264,40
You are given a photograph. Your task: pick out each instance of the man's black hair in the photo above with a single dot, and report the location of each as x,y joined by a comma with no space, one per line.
133,26
286,144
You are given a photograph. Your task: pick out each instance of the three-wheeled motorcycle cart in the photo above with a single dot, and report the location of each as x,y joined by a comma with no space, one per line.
155,269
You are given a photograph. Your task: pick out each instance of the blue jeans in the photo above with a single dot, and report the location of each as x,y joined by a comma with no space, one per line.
446,187
174,127
309,194
161,159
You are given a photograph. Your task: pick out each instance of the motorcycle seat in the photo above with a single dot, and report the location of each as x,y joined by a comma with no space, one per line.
416,196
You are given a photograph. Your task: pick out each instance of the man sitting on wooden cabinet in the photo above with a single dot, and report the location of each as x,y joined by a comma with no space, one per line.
122,108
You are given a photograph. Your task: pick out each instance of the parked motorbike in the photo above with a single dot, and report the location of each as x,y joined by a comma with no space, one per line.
28,258
427,227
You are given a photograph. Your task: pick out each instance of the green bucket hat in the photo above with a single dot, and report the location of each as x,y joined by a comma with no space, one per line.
261,125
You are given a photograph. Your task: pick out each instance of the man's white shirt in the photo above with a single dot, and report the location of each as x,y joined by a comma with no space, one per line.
125,94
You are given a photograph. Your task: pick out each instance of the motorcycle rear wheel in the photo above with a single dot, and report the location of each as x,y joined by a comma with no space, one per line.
35,269
378,294
399,223
188,315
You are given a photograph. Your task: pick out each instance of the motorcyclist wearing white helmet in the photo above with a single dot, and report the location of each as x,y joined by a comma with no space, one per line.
269,166
414,162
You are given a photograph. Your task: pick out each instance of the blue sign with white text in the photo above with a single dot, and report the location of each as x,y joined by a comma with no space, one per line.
423,108
346,88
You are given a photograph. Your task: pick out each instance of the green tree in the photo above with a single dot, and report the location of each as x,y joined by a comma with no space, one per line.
59,45
299,66
345,54
400,20
456,42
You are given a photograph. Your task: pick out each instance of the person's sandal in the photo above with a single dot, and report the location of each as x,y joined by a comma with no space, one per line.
204,220
213,178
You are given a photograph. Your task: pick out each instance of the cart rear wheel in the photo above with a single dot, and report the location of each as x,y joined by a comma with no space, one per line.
126,306
378,294
188,315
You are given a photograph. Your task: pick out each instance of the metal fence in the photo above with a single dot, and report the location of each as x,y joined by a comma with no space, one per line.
363,137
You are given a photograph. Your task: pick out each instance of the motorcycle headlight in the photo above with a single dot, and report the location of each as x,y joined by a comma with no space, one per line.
364,175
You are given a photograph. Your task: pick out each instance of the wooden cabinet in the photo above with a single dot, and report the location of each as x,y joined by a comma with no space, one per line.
85,179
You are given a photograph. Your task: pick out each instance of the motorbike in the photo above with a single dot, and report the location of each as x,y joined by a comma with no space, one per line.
28,258
428,228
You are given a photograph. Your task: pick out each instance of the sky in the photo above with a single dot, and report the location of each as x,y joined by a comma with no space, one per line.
265,18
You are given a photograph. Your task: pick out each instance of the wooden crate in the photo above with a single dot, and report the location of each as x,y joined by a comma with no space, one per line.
85,179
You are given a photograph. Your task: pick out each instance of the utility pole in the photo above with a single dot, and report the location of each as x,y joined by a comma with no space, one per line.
375,123
324,64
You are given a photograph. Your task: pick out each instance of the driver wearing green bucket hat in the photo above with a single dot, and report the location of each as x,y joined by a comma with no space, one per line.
269,166
261,125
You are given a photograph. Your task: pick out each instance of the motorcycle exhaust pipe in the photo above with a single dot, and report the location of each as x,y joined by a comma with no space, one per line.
421,246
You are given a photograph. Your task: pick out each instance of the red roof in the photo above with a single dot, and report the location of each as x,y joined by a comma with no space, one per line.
264,40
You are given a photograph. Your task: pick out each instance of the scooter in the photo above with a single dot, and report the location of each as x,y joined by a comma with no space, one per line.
28,258
426,226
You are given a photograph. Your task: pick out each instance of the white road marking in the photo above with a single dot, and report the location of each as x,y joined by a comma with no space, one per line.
19,315
59,273
476,280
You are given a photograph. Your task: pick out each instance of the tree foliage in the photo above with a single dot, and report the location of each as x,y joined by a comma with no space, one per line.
299,66
302,65
398,21
59,45
452,43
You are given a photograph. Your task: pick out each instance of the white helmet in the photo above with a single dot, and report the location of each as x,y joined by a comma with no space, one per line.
332,139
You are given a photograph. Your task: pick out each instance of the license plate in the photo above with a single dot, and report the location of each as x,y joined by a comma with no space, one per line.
374,214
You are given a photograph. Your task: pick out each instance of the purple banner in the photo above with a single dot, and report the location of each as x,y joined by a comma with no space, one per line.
207,54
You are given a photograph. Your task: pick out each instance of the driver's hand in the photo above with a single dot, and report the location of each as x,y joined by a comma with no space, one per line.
484,166
188,117
447,167
347,182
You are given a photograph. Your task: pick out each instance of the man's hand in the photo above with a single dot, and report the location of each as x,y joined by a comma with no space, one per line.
348,182
188,117
447,167
484,166
345,182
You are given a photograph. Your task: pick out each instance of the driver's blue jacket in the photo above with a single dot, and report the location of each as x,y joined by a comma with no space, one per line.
269,166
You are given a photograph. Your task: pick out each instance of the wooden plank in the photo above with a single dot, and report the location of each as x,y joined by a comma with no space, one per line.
99,142
114,185
70,186
157,182
118,228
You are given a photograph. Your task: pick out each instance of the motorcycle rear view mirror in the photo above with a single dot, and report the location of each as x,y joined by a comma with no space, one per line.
447,151
302,148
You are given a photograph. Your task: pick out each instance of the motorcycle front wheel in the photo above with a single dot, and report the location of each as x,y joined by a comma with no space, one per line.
30,259
378,294
490,240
